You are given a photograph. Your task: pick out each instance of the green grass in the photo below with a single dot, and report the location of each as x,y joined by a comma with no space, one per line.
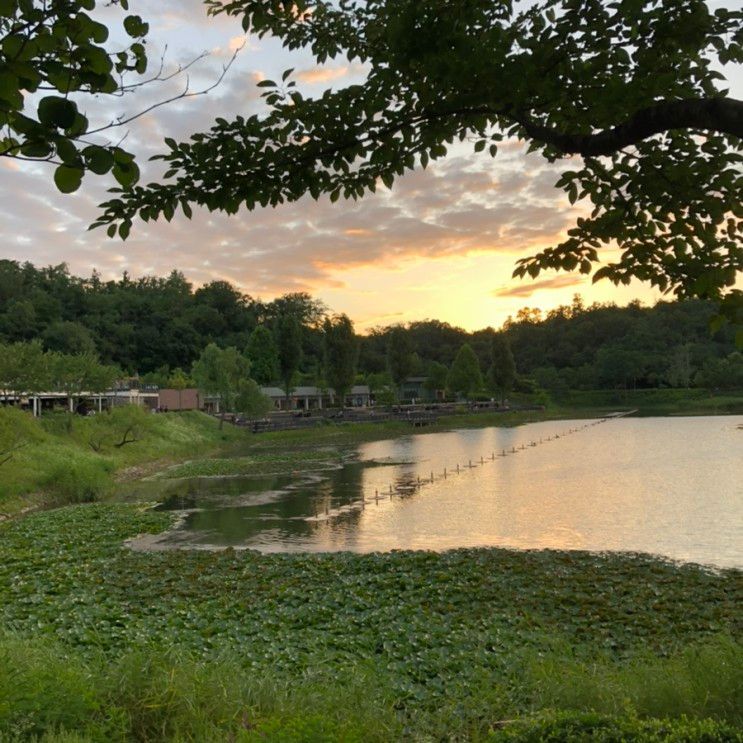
149,694
58,463
441,644
658,401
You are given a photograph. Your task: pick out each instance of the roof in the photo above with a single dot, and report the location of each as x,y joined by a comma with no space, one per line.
308,391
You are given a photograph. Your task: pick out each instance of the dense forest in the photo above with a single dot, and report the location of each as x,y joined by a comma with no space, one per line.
152,326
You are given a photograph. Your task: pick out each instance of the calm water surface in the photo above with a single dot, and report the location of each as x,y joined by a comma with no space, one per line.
669,486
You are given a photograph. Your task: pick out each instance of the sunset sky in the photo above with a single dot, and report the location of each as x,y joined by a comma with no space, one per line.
442,244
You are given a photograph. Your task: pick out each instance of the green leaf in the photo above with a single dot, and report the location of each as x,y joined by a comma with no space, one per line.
9,90
67,152
79,126
135,27
68,179
127,174
57,112
124,229
36,149
98,159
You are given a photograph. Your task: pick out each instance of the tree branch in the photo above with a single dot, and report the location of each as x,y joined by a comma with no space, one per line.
722,115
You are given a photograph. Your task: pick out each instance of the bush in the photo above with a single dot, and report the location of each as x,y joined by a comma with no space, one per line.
593,728
74,477
702,681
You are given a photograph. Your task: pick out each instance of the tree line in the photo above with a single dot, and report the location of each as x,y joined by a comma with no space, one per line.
168,332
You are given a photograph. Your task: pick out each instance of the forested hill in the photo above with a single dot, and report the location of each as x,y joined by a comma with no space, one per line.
154,325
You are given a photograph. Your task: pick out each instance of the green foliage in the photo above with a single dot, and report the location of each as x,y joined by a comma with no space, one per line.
289,347
152,326
68,337
74,477
442,644
723,374
57,464
22,367
502,371
60,47
414,609
257,463
436,375
702,681
263,355
126,424
219,372
399,354
341,355
154,694
628,96
593,728
178,380
150,694
78,373
465,376
250,400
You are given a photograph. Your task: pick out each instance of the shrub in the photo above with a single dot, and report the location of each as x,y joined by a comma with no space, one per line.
74,477
594,728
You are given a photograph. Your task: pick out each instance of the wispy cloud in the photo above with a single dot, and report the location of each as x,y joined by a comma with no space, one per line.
527,289
326,74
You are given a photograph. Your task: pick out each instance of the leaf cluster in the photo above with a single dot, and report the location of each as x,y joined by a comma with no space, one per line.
52,55
631,86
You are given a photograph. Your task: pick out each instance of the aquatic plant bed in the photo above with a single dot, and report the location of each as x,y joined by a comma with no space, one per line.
256,464
461,639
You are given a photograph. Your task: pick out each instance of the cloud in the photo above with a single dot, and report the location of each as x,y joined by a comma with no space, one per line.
464,205
322,74
526,290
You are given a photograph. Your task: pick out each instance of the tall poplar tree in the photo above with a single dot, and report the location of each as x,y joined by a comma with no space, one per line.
465,376
502,371
289,346
341,354
399,356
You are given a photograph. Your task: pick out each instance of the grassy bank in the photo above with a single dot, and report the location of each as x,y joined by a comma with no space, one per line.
407,645
62,459
654,402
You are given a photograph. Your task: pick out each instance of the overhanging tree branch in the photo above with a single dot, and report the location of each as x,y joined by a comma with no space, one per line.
721,115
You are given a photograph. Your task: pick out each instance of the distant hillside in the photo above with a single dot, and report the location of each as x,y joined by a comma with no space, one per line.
152,325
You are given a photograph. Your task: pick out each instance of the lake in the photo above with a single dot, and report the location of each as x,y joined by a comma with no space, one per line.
667,486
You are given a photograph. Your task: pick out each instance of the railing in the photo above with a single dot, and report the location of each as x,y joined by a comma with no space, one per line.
416,415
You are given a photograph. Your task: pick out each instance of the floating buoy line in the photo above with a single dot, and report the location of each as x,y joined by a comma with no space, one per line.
407,489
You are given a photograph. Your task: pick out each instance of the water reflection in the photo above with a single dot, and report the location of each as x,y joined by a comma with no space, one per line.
670,486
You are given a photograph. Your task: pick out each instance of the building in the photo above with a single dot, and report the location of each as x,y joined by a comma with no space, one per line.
190,398
315,398
415,390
